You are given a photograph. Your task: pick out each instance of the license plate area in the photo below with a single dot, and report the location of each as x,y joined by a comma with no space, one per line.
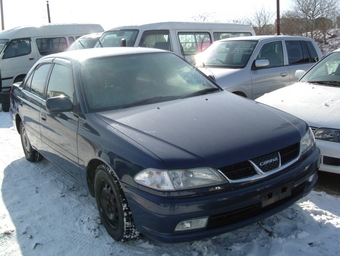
276,195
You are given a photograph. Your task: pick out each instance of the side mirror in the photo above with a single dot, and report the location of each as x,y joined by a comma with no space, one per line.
123,42
260,64
59,104
299,73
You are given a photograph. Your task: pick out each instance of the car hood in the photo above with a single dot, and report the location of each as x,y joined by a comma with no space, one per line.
220,72
318,105
214,130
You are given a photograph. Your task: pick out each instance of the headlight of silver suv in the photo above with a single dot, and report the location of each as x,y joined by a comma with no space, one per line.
171,180
328,134
307,142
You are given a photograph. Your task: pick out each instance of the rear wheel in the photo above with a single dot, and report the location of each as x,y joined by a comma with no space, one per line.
112,205
30,154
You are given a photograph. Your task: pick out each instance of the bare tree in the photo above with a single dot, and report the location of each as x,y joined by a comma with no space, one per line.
292,24
261,22
310,10
323,25
205,17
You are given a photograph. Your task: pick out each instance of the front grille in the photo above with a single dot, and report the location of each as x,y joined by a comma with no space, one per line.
266,163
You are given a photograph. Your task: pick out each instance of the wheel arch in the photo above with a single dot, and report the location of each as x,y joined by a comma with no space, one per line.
239,93
19,78
91,172
17,123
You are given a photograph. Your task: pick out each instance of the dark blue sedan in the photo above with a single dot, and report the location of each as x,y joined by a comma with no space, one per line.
164,150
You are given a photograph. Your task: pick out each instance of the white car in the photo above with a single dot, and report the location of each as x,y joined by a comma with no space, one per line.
315,98
253,65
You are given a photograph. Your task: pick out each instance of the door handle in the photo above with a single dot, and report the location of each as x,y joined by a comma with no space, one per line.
43,117
31,59
284,74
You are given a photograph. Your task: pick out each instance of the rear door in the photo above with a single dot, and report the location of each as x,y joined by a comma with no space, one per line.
59,130
31,101
301,55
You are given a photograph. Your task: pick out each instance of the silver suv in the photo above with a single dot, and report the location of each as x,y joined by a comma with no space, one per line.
251,66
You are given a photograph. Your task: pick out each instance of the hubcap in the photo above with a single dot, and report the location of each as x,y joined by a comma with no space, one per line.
25,141
109,206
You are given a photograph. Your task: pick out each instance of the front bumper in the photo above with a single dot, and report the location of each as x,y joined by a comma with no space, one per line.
330,156
157,217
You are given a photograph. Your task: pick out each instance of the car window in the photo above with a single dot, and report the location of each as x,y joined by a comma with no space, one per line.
60,82
194,42
229,54
312,52
295,52
114,38
18,47
326,70
273,52
125,81
51,45
39,79
224,35
156,39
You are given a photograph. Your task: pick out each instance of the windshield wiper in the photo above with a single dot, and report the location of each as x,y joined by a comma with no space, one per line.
100,43
150,101
332,83
202,92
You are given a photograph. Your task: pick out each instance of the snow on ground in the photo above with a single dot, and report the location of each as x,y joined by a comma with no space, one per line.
43,212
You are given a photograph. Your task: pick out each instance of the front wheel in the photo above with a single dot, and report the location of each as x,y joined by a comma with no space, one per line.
112,205
30,154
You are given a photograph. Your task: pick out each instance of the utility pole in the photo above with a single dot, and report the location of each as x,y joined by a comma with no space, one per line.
48,12
2,16
278,17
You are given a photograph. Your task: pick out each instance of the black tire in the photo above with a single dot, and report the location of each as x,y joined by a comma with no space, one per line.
112,205
30,154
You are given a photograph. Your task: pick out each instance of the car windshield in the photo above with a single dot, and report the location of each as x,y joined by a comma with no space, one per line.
3,43
326,71
118,82
114,38
227,54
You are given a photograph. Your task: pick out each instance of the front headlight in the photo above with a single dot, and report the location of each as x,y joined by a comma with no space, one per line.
307,142
171,180
328,134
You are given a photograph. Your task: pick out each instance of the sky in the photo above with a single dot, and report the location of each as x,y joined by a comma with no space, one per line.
43,212
111,13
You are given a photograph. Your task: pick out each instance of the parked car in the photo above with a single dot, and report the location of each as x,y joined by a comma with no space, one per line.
316,99
252,66
165,151
85,42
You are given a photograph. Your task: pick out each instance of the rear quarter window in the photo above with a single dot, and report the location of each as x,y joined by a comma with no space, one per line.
39,79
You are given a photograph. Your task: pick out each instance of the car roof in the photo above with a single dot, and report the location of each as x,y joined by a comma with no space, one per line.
92,35
265,37
100,52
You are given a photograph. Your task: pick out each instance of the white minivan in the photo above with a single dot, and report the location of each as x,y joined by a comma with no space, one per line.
186,39
21,47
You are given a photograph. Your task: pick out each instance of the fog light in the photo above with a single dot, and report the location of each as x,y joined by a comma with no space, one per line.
311,178
192,224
